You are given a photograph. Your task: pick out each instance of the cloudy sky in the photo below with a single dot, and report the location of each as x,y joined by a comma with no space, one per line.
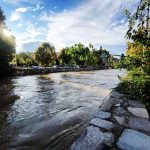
66,22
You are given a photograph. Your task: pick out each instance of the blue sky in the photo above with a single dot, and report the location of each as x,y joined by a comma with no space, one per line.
66,22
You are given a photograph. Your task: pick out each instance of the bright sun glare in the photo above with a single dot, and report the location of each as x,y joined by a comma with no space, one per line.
7,32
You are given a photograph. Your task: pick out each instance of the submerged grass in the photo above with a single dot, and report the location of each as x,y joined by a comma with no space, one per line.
44,76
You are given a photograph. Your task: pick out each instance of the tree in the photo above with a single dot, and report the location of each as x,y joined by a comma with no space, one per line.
139,24
92,59
98,54
139,33
45,54
79,54
135,58
20,60
2,17
26,58
137,83
83,56
29,62
65,56
7,47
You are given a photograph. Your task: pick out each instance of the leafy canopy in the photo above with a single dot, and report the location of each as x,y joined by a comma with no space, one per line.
139,23
7,46
45,54
82,55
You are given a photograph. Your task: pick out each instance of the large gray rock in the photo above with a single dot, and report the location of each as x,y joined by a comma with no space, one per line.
120,120
103,115
133,140
139,124
120,111
117,95
108,138
139,112
91,139
133,103
102,123
107,105
125,103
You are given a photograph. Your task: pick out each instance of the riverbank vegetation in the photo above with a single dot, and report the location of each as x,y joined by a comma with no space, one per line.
77,55
7,46
26,58
44,76
137,61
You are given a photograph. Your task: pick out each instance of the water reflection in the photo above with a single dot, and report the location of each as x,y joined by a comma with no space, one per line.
7,100
52,111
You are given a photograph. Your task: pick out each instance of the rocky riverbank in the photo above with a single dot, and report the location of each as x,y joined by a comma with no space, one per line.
119,124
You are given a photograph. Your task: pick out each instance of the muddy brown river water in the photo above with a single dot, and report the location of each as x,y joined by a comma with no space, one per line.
50,113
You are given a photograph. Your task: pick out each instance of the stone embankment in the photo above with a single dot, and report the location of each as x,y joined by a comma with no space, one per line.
120,124
30,71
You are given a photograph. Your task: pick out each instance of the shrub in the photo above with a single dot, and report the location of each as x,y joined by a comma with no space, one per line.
136,86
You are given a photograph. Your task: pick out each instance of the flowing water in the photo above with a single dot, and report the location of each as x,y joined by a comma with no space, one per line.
50,113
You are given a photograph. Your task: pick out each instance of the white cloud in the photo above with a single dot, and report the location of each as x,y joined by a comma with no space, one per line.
16,15
20,2
34,31
21,10
19,25
93,21
65,10
88,23
38,7
31,35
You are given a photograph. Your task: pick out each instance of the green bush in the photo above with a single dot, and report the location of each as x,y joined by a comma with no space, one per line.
136,86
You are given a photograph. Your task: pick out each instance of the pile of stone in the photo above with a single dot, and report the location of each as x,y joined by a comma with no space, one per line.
120,124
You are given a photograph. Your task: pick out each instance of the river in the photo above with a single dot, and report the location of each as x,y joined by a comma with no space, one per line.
51,112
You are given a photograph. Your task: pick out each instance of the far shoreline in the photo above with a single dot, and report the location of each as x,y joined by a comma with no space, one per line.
20,71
